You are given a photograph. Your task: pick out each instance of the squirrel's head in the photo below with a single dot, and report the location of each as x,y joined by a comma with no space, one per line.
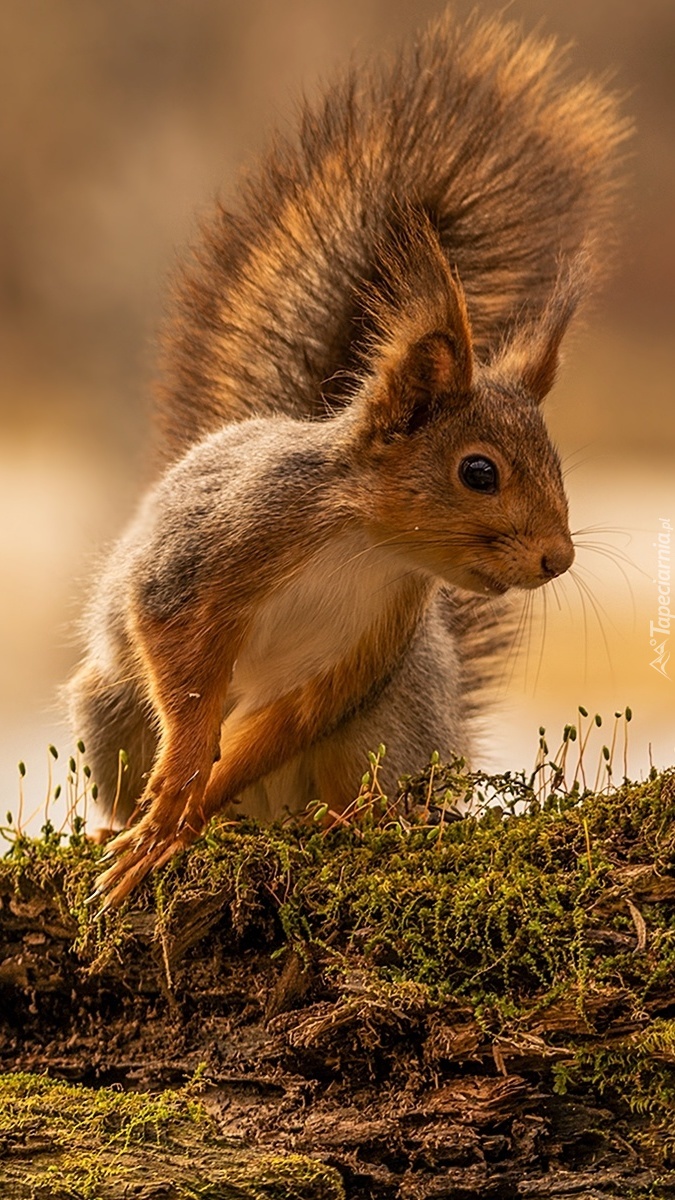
474,488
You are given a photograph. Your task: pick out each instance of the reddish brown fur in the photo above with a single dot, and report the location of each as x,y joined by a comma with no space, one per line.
401,267
185,789
514,162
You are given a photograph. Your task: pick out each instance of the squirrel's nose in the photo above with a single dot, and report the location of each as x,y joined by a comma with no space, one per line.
557,560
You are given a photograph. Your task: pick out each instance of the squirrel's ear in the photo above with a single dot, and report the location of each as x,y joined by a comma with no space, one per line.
419,356
420,381
532,355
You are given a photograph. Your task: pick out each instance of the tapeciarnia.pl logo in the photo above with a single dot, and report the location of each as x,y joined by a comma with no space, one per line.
659,630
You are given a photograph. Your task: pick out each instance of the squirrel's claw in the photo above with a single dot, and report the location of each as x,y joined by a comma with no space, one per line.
120,843
136,852
148,844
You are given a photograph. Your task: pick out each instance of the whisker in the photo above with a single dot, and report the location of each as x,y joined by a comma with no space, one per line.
367,550
561,584
594,598
397,579
529,607
582,586
513,654
583,462
593,574
622,530
542,642
554,589
579,450
501,681
625,577
614,555
585,620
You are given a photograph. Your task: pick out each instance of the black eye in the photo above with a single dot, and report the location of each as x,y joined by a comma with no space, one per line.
479,474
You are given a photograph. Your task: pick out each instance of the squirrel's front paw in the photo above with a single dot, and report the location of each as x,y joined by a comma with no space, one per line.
143,848
146,853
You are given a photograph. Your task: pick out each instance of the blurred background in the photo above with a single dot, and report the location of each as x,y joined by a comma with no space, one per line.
121,120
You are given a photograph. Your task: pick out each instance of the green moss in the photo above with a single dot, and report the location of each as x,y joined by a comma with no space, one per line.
639,1072
561,904
497,905
517,914
61,1141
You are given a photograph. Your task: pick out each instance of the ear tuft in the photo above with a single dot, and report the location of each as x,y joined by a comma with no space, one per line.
532,355
419,354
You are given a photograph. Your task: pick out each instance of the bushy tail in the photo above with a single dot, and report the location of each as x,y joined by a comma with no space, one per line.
514,165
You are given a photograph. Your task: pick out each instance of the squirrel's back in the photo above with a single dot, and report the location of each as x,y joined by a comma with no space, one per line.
480,127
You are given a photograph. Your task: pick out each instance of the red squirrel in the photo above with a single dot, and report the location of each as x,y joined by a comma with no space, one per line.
356,461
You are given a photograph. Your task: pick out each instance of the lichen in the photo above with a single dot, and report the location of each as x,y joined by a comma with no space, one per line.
63,1141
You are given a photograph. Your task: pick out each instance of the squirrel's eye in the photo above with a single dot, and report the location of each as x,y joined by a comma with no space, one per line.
479,474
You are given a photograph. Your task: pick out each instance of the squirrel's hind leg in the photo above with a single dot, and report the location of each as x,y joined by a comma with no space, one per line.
111,716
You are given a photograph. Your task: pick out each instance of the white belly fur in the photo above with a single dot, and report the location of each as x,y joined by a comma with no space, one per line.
313,620
302,629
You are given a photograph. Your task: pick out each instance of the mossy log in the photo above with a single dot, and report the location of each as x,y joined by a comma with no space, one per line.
60,1141
395,1009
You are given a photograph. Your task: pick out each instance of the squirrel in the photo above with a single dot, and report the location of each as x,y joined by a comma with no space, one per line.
355,462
